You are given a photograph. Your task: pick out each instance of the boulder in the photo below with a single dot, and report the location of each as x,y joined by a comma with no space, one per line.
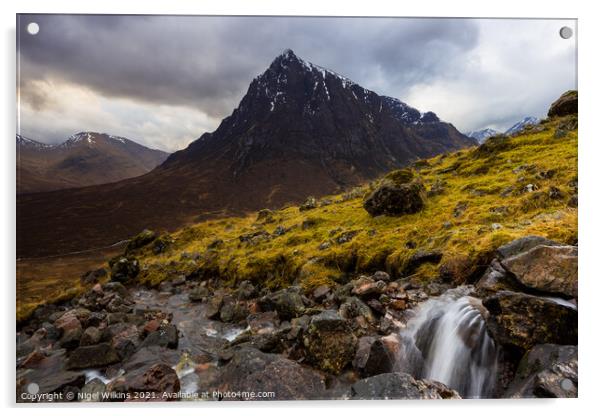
91,336
399,193
124,269
93,391
92,356
310,203
166,336
565,105
233,310
354,307
330,342
496,278
287,302
365,287
400,386
376,355
547,370
551,269
518,320
523,244
160,378
144,238
251,370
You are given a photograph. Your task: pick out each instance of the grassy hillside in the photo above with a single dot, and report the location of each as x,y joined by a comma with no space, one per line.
478,199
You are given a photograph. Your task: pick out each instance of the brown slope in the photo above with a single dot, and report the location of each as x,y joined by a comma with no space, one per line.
84,159
300,130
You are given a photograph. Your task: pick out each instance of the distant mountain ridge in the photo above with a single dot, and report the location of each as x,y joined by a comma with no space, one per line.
484,134
300,130
84,159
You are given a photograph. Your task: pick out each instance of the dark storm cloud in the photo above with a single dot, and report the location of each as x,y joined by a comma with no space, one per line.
208,62
165,80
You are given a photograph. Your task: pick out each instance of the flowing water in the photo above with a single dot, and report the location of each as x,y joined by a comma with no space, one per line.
447,341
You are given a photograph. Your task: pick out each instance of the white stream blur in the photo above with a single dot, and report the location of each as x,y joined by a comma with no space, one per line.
447,341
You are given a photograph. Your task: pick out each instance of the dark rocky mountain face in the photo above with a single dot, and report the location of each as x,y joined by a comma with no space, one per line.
300,130
84,159
300,113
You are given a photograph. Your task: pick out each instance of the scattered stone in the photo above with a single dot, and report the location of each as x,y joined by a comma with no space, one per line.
265,216
380,275
321,293
93,391
353,307
310,203
460,208
365,286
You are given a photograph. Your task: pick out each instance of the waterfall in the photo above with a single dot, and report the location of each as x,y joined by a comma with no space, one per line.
446,340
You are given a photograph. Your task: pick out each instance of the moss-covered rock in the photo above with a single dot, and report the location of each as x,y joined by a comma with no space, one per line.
521,321
330,342
400,192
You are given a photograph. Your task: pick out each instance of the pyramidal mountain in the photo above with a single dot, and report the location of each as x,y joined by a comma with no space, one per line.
84,159
300,130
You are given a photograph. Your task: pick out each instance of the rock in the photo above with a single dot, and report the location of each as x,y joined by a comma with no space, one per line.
91,336
547,370
565,105
263,322
310,203
346,236
70,328
400,386
93,276
160,378
198,294
251,370
233,310
551,269
460,208
380,275
376,355
399,193
287,302
245,290
364,286
166,336
93,391
353,307
321,293
124,269
518,320
92,356
496,278
144,238
330,342
214,305
522,245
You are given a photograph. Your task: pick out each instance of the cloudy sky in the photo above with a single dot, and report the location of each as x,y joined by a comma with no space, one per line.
165,80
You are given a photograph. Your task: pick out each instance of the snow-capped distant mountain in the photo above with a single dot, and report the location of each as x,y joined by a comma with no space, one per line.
527,121
84,159
482,135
